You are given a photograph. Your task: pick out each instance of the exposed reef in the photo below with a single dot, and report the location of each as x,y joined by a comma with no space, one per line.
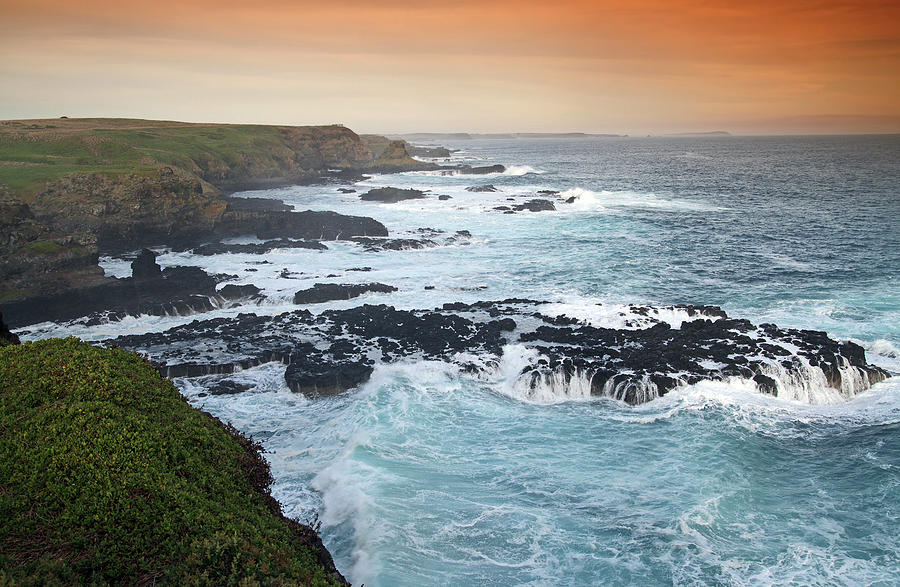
390,195
326,292
562,357
151,290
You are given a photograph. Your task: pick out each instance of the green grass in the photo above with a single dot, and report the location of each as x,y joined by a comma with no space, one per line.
31,155
44,247
107,476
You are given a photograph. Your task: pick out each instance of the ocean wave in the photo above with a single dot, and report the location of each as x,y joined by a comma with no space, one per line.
590,200
882,347
519,170
520,373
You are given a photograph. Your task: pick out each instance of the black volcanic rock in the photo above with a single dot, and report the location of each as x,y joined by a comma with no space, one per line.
309,225
326,292
7,337
238,292
257,248
484,170
443,197
176,290
145,265
333,350
308,374
393,244
432,152
482,188
391,195
535,206
346,190
257,205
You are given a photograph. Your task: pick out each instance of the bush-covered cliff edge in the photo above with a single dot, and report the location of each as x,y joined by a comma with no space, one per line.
70,188
108,476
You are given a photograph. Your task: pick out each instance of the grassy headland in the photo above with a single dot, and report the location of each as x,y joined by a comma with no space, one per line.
107,476
34,152
72,187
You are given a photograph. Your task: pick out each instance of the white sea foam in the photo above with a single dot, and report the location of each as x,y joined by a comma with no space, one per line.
517,375
345,499
590,200
882,347
519,170
620,316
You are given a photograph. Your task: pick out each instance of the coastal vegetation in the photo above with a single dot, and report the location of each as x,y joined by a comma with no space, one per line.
108,476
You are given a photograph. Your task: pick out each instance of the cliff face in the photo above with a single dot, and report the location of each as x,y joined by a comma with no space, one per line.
69,188
167,203
395,155
395,158
34,260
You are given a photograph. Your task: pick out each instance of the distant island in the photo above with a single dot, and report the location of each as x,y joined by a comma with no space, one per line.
710,133
465,136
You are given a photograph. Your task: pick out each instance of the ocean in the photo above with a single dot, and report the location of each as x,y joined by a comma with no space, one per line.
427,475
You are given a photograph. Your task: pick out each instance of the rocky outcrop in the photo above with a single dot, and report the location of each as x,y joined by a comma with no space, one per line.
326,292
175,290
7,337
37,261
129,210
389,195
308,374
430,152
563,356
394,158
257,248
308,225
482,188
482,170
434,239
145,266
537,205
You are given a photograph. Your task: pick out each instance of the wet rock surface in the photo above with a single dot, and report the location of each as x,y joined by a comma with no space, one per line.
145,265
336,350
537,205
481,170
426,238
7,337
482,188
326,292
389,195
173,291
257,248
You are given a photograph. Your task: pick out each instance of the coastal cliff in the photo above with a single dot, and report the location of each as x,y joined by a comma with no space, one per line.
72,188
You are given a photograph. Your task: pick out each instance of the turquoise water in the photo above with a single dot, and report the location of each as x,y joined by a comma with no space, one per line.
425,476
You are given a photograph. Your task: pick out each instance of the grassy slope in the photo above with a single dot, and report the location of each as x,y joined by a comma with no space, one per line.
108,476
33,152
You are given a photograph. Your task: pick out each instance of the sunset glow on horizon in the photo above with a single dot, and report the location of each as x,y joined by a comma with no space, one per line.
403,66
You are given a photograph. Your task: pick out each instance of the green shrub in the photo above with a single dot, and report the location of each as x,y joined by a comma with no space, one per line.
107,475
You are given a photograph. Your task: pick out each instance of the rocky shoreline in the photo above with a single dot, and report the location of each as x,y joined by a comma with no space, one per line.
336,350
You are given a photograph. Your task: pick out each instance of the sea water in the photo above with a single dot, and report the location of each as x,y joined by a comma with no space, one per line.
427,476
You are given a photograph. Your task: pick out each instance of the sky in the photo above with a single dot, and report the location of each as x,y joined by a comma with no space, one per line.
394,66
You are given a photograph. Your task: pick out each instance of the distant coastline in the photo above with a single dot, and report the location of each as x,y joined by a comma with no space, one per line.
467,136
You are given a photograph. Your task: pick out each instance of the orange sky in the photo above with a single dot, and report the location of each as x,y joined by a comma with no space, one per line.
460,65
